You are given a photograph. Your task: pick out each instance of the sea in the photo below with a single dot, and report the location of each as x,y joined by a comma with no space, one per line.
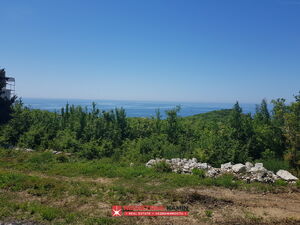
135,108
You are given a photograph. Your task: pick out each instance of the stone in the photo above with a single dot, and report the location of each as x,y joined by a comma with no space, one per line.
226,166
239,168
247,172
258,168
194,160
285,175
212,172
150,163
203,166
259,165
248,165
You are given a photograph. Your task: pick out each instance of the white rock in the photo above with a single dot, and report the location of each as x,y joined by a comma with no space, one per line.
203,166
259,165
248,164
150,163
226,166
258,168
212,172
285,175
239,168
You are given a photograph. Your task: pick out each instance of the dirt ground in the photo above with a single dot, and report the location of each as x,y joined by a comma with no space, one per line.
213,205
224,206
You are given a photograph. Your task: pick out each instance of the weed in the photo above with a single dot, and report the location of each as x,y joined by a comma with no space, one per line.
162,167
198,172
208,213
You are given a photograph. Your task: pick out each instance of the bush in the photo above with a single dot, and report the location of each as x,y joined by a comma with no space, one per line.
275,164
208,213
62,158
41,161
41,158
50,213
280,183
268,154
226,180
162,167
199,172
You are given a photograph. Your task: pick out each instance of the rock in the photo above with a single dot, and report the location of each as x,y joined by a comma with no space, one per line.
258,168
247,172
259,165
226,166
248,165
239,168
285,175
203,166
194,160
150,163
213,172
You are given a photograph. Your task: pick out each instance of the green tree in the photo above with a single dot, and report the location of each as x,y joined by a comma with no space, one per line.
173,127
292,133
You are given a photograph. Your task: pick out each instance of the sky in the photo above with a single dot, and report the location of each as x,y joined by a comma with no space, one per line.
159,50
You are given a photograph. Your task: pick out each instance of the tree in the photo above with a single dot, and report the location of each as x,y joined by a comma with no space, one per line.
278,111
235,121
173,125
292,133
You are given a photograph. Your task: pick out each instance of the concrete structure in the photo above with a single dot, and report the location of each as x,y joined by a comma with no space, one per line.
8,90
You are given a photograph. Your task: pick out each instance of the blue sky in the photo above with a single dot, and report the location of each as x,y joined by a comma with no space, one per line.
175,50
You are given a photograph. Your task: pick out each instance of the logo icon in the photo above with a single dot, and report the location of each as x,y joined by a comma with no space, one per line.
116,210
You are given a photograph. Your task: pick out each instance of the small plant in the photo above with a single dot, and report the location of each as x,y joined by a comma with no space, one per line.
280,183
49,214
298,184
162,167
62,158
198,172
226,180
208,213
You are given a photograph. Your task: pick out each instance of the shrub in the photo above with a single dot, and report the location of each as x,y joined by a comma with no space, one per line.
41,161
41,158
50,213
298,184
162,167
280,183
275,164
225,180
62,158
208,213
199,172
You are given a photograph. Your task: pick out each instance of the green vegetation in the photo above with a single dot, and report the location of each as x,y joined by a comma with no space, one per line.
214,137
208,213
39,186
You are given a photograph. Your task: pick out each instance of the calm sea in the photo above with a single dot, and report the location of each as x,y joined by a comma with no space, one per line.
134,108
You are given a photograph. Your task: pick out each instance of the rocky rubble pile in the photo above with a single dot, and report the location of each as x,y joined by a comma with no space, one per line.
247,172
48,150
